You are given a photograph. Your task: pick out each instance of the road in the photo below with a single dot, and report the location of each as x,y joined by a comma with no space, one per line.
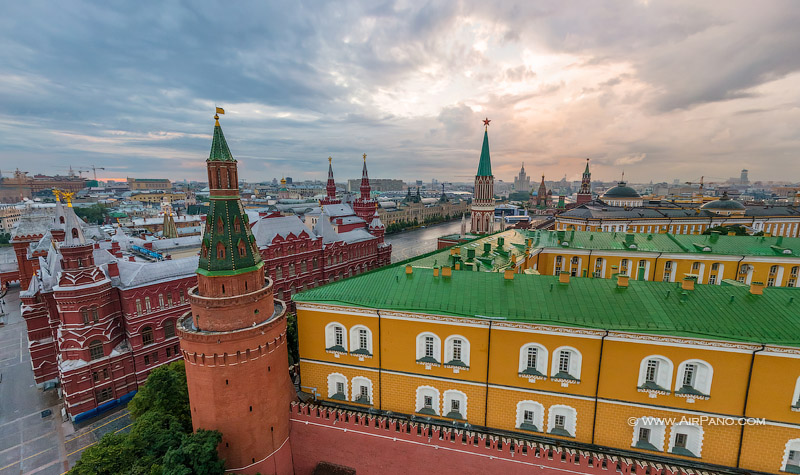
408,244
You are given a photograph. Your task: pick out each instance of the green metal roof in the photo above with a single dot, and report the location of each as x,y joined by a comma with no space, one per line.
219,147
715,312
227,226
485,164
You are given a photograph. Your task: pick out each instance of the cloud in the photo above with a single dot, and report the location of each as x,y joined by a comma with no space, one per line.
630,159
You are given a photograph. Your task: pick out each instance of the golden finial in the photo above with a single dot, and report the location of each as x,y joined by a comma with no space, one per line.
57,194
365,157
220,110
68,196
330,159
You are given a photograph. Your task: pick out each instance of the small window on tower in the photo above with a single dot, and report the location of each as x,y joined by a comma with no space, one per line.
237,225
220,251
220,225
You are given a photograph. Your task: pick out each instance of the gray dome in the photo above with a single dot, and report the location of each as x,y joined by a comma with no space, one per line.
621,191
724,203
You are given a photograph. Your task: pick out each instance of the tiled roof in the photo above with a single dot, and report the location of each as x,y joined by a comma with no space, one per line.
665,209
134,274
266,229
727,313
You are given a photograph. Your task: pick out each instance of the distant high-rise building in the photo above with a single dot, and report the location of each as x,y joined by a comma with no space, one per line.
744,179
522,183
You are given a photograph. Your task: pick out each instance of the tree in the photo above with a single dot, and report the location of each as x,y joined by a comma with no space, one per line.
112,454
94,214
724,230
291,336
166,392
5,238
197,454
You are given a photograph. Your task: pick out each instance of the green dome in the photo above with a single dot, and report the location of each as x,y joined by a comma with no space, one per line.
621,191
723,203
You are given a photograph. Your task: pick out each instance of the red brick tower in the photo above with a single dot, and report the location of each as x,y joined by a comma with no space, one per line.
330,188
483,201
234,338
364,206
585,193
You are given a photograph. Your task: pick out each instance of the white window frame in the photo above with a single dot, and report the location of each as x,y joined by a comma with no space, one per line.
355,338
538,413
423,391
330,335
334,378
663,373
454,394
702,379
796,396
574,362
448,349
791,445
658,431
437,346
570,416
357,382
541,358
694,440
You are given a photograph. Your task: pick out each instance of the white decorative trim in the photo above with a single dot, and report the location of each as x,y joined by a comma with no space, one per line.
682,342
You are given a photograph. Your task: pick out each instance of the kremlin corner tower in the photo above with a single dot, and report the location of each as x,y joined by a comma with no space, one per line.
482,209
234,338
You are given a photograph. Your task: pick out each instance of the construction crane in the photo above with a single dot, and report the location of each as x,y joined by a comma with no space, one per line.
94,169
701,183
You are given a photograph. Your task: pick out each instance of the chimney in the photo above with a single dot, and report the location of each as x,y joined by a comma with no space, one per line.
622,281
509,274
487,247
731,233
757,288
779,242
500,241
470,253
714,236
436,272
409,269
629,237
113,269
455,251
688,281
563,277
458,266
447,271
96,245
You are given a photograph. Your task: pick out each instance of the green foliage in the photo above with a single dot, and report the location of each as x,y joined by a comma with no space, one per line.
398,226
724,230
291,335
518,196
5,238
95,214
160,440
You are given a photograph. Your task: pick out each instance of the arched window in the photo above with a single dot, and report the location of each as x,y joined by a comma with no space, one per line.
337,386
360,340
242,248
530,416
147,336
686,439
561,420
796,397
362,390
566,363
85,315
220,251
694,378
648,434
169,328
96,350
456,351
429,348
61,219
532,360
237,225
75,233
427,401
655,373
336,337
455,403
791,457
220,225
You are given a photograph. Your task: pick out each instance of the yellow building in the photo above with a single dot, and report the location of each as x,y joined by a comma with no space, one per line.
136,184
158,197
660,368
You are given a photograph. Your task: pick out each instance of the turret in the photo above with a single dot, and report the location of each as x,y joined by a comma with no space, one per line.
483,202
364,205
585,193
376,227
330,188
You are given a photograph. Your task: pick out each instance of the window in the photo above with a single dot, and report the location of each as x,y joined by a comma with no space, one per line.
791,456
335,337
147,304
561,420
533,360
105,373
102,395
712,279
598,267
362,390
237,225
655,373
566,364
85,315
146,359
455,402
360,340
303,266
337,386
771,282
161,300
182,297
796,396
220,251
169,328
429,350
278,273
169,299
427,400
773,270
695,266
686,439
715,266
794,271
456,351
96,349
147,336
648,434
95,376
138,307
694,378
530,416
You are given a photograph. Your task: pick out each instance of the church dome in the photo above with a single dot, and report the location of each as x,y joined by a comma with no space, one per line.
724,203
621,191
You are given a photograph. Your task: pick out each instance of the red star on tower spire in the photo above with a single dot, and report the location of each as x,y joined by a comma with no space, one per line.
486,122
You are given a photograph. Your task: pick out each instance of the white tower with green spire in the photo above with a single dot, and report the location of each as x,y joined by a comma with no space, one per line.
483,198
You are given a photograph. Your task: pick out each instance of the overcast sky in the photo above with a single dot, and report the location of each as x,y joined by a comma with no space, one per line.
661,89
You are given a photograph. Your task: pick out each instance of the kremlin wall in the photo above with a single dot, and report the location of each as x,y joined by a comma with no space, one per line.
518,351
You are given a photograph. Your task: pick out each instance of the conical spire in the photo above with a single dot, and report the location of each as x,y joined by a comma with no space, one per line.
586,172
331,186
365,187
485,164
74,232
60,217
219,146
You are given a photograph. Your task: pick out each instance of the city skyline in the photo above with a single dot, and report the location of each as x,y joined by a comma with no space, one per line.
663,90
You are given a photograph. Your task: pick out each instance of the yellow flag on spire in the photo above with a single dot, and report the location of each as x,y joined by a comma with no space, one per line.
220,110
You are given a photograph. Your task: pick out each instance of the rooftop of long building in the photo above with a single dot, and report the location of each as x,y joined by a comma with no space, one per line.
715,312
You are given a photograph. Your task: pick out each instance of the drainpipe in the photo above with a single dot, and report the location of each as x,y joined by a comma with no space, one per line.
597,385
488,360
655,267
738,263
746,400
380,366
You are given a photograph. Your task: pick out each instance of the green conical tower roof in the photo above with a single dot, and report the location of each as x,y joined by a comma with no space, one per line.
485,165
587,167
219,147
